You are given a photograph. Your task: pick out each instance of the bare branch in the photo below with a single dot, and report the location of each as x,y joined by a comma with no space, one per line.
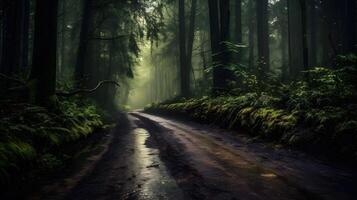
79,91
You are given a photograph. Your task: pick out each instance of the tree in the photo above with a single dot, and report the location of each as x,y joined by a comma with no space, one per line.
347,12
191,34
313,30
185,72
282,14
296,38
252,30
238,35
263,36
43,73
305,49
83,41
219,14
15,36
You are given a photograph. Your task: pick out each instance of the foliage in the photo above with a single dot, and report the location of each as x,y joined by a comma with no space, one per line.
315,113
33,136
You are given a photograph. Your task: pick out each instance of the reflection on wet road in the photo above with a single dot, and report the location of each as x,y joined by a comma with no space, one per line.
130,169
218,165
152,177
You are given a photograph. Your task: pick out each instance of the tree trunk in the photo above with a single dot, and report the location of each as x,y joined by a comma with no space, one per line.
312,33
203,56
284,41
296,43
348,20
191,34
252,30
185,72
25,25
83,42
43,73
12,25
62,52
305,43
219,29
263,36
225,30
238,28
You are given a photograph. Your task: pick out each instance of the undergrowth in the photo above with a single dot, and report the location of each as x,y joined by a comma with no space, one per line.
33,138
316,113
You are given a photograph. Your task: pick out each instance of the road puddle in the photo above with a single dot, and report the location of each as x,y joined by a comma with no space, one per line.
152,177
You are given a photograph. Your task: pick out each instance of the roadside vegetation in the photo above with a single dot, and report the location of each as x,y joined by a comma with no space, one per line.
316,113
36,141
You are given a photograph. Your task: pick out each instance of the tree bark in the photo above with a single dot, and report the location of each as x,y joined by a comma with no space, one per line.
219,28
263,36
296,43
12,25
284,41
191,34
62,52
305,43
348,20
83,42
312,24
252,30
185,72
25,25
43,73
225,30
238,27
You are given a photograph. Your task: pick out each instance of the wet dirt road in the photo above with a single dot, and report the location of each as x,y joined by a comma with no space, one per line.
153,157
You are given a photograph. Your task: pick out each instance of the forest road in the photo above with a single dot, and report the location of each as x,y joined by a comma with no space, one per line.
152,157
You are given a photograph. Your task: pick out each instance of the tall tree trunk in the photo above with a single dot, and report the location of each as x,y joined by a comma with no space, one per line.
225,30
238,27
62,52
348,20
203,55
43,73
284,41
305,43
312,33
252,30
83,42
219,29
11,57
25,21
214,30
185,72
263,36
296,43
326,26
191,34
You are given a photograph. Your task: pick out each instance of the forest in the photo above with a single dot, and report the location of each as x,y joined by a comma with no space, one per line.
178,99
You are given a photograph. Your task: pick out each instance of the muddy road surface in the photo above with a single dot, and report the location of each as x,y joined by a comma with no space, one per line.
152,157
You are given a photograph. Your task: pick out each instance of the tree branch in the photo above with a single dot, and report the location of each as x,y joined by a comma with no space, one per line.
89,91
108,38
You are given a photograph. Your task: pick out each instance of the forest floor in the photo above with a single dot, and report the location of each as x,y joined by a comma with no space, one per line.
152,157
